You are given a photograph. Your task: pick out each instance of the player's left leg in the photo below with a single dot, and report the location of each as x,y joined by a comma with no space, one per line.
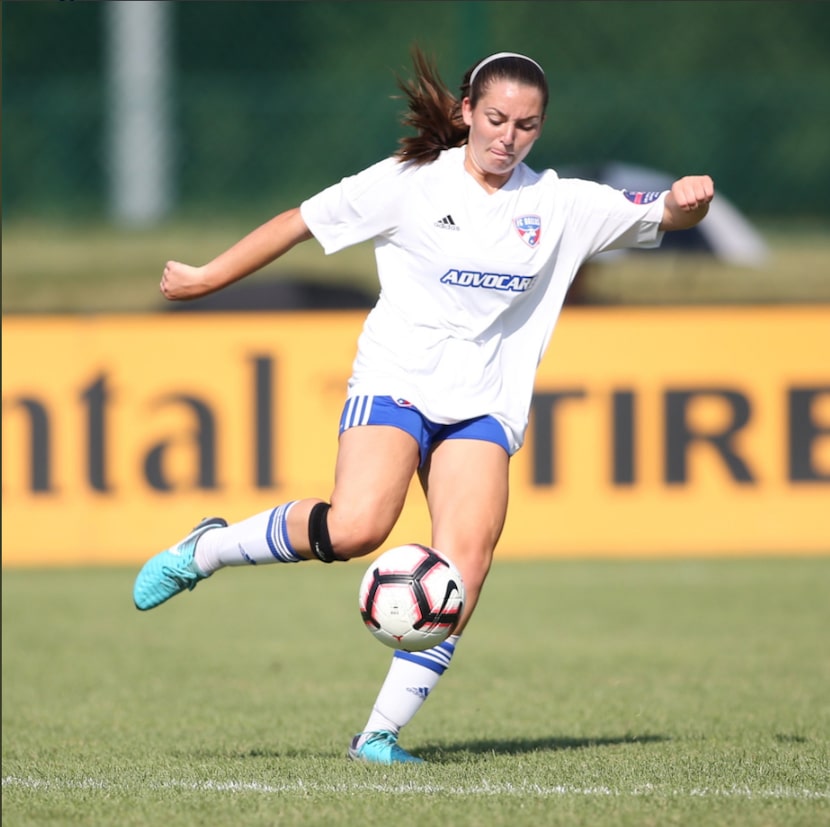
466,483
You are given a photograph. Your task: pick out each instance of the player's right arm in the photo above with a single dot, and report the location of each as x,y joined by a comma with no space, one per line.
260,247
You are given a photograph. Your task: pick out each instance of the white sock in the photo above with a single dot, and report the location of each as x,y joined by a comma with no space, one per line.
259,539
411,678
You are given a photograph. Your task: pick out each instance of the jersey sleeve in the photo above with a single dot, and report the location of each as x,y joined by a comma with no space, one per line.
359,207
606,218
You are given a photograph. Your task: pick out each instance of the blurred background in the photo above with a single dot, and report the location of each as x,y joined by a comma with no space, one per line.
135,132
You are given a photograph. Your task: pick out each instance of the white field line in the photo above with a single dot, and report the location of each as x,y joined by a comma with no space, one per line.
484,787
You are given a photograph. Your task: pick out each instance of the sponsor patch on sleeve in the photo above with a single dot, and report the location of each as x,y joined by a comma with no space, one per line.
641,197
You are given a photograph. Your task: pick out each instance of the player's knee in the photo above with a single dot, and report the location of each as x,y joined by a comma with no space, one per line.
473,561
356,537
333,537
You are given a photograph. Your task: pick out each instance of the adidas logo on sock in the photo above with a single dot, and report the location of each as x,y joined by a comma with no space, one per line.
446,223
420,691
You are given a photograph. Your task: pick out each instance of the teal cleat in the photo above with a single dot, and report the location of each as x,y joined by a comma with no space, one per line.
380,748
172,571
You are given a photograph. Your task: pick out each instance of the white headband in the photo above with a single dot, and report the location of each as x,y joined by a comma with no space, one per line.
499,56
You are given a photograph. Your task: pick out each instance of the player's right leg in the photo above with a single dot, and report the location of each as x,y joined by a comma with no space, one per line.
375,465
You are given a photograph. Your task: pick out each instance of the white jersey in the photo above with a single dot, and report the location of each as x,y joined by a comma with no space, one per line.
472,283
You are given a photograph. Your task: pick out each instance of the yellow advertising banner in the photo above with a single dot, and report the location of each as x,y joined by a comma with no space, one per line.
653,431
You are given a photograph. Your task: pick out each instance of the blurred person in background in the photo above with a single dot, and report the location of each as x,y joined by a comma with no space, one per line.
475,253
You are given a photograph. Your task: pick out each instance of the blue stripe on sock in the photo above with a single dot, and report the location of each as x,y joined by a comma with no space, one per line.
285,542
436,659
277,535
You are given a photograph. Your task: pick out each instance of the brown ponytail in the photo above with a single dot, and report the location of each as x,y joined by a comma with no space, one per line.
433,111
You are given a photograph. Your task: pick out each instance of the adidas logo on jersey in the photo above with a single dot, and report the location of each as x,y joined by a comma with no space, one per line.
446,223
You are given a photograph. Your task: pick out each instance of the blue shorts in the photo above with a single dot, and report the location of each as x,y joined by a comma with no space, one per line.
384,410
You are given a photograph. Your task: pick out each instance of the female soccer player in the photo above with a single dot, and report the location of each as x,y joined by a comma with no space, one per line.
475,252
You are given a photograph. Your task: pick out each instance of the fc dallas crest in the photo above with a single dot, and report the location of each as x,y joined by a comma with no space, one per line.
529,228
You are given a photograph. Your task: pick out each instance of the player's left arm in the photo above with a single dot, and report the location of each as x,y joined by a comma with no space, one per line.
687,202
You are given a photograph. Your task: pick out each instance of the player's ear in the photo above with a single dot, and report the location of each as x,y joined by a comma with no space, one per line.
467,111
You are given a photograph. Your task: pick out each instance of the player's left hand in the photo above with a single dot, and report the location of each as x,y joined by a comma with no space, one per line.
692,192
687,202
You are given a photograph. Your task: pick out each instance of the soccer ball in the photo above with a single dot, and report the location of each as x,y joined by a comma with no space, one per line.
411,597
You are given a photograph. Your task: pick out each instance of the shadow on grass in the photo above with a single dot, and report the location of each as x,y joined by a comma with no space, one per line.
438,752
519,746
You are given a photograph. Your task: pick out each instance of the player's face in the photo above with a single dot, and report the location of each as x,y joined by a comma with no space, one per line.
504,125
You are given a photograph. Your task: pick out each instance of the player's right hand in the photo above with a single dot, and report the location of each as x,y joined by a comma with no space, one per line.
182,281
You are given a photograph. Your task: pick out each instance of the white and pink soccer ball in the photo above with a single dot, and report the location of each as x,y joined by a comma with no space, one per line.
411,597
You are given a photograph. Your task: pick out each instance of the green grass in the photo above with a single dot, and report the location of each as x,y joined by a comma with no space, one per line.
91,268
584,693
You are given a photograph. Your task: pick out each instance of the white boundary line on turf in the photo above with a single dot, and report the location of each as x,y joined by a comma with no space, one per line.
484,788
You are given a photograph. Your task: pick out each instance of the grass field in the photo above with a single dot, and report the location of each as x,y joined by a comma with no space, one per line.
98,268
585,693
